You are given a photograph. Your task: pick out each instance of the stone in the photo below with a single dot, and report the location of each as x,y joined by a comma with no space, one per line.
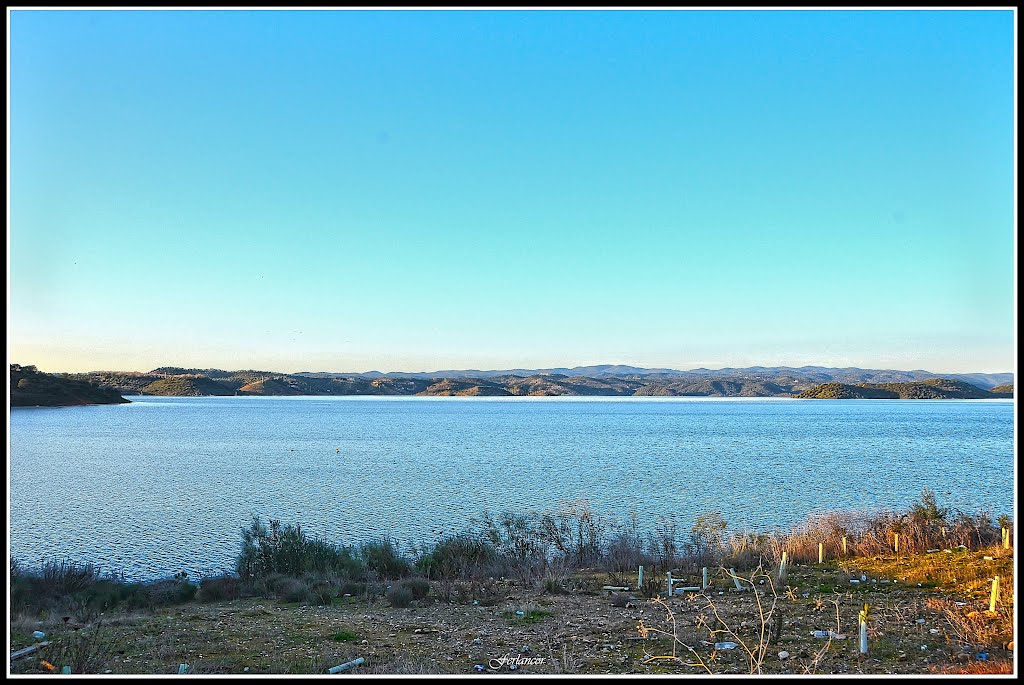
783,655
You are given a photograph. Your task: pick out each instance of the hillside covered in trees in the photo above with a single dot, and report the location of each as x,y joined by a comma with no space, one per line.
932,389
178,381
32,388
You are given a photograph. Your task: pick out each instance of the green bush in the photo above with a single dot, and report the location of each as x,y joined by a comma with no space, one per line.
383,558
287,550
456,556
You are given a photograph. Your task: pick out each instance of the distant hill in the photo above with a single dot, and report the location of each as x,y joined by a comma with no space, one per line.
806,376
33,388
1003,390
936,388
186,386
606,380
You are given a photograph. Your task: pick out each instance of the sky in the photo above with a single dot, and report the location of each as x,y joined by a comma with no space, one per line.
425,190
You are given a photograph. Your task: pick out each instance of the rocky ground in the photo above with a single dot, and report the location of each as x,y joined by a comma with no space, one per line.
928,614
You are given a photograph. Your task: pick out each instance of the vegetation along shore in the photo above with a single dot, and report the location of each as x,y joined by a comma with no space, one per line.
553,592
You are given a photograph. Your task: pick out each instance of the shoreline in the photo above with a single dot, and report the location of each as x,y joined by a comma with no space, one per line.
301,605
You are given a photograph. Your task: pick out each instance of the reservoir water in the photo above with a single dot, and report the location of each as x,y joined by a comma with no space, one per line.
164,484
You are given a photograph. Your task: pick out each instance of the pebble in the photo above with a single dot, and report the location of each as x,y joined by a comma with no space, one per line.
783,654
920,620
934,631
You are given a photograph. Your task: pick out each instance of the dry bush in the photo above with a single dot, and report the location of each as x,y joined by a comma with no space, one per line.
690,637
401,664
87,650
566,659
974,627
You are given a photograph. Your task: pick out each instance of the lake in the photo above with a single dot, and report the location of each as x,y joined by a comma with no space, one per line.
164,484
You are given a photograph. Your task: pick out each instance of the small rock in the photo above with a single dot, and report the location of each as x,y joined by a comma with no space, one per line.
783,655
933,631
921,621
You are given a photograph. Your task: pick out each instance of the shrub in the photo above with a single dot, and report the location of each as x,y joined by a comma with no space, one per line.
928,510
176,591
456,556
292,590
66,577
321,592
419,587
287,550
218,589
400,596
383,558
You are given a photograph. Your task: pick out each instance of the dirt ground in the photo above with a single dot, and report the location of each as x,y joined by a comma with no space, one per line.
918,609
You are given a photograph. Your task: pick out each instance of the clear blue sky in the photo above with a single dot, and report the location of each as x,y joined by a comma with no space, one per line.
418,190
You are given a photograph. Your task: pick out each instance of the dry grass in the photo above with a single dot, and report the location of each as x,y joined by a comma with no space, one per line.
1001,666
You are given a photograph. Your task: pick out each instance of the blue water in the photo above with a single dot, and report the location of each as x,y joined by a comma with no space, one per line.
164,484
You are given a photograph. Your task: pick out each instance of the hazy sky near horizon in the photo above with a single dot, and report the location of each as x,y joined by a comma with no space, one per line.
420,190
